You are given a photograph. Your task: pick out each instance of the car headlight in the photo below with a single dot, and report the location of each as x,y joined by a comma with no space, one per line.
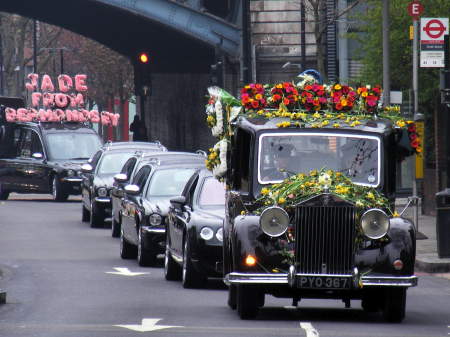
102,192
375,223
219,234
155,219
274,221
70,173
206,233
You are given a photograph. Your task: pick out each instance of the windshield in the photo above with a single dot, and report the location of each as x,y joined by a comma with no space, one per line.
282,155
72,145
170,182
111,163
212,193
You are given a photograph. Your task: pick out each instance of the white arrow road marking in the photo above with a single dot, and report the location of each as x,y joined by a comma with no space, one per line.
310,331
148,324
125,272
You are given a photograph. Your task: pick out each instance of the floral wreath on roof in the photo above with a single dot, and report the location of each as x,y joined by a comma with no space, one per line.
306,103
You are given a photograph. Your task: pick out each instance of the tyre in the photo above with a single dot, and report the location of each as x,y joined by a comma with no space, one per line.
248,298
127,250
115,227
172,270
394,304
145,257
4,194
58,193
371,300
96,217
190,278
85,214
232,296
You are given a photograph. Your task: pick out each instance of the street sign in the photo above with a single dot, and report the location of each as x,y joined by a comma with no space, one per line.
432,34
415,9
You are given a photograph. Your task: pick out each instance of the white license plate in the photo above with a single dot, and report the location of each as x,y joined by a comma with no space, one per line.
323,282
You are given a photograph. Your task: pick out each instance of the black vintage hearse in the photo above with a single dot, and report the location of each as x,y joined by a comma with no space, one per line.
43,157
324,246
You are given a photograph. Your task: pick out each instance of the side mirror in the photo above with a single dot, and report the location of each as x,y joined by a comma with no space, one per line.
121,178
37,155
86,168
178,201
132,189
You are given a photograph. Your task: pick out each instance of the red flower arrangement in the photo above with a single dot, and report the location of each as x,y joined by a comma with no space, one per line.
285,93
370,97
413,136
342,97
252,96
314,97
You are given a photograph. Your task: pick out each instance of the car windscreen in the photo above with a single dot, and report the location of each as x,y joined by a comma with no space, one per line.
72,145
212,193
111,163
282,155
168,182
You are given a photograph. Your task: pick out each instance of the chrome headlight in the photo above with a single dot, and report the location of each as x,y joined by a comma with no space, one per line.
102,192
70,173
155,219
375,223
206,233
274,221
219,234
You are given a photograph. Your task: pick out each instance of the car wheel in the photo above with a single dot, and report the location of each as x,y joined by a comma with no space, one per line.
394,304
127,250
3,193
85,214
190,277
247,301
115,228
232,296
97,219
172,270
57,190
145,257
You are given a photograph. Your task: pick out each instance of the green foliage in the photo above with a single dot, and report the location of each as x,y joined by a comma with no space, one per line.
371,52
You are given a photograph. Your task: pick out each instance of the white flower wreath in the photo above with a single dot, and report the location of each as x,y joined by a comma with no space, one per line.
220,170
217,129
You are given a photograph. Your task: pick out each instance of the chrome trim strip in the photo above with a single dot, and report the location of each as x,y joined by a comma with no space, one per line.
154,230
102,199
282,278
72,180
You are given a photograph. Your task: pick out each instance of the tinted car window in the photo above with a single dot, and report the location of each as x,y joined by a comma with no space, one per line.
36,144
141,177
111,163
71,145
212,193
25,143
128,167
169,182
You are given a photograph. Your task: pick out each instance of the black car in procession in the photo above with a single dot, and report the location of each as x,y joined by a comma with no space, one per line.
146,203
126,175
98,176
195,231
325,246
44,157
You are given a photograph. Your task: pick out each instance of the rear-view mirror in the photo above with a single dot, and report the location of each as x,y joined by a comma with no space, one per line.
132,189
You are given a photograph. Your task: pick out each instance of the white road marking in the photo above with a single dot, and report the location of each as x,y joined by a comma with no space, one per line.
148,324
310,331
125,272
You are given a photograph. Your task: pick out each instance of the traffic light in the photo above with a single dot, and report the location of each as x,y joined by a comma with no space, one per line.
142,74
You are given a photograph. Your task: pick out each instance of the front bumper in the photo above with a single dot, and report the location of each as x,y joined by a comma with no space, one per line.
284,279
72,185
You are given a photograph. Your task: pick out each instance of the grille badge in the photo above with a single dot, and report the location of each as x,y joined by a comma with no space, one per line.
324,268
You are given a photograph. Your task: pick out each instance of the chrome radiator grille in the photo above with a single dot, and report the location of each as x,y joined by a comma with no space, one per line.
325,239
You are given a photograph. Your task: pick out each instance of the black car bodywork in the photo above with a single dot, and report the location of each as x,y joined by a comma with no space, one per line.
44,157
328,259
127,174
195,231
144,208
98,176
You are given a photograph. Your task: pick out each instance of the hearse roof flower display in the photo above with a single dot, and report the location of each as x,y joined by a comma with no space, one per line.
310,171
